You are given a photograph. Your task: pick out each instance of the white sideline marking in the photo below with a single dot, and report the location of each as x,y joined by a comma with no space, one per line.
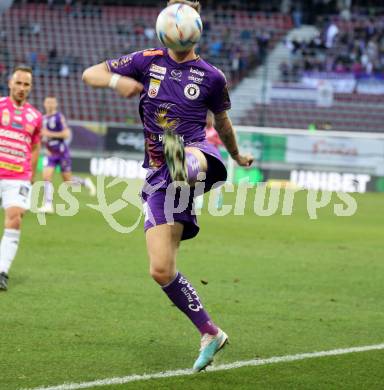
221,367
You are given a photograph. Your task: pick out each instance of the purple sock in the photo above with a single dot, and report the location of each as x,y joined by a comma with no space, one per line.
184,296
193,167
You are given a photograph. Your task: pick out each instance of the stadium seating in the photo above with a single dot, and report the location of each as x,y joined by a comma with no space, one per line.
356,52
350,112
61,42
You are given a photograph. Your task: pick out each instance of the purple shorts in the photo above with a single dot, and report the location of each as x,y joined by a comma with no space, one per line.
164,204
62,159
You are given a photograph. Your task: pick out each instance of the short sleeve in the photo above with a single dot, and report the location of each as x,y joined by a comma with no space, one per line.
37,133
218,99
130,65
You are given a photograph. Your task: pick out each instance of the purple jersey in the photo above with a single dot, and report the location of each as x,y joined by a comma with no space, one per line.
176,97
55,123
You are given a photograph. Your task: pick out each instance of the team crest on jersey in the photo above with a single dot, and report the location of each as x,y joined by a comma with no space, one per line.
29,117
154,87
192,91
5,117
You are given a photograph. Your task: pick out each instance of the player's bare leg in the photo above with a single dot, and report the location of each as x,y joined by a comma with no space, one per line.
10,242
87,182
162,245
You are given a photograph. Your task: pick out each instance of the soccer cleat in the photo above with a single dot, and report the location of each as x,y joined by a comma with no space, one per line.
46,209
175,156
3,281
90,186
210,345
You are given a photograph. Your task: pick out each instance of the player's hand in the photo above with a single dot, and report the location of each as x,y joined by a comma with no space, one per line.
244,161
127,87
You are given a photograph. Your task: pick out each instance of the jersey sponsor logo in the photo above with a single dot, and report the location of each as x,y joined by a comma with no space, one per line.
17,126
197,80
192,91
154,87
15,159
5,117
11,167
158,69
198,72
29,117
176,75
15,135
17,118
12,152
14,145
157,76
150,53
159,137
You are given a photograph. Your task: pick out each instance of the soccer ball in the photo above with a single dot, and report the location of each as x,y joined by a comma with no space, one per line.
179,27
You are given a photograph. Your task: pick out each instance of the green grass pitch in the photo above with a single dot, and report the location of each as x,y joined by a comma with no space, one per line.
81,305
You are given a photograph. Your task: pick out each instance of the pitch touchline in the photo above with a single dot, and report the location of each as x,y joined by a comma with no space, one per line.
221,367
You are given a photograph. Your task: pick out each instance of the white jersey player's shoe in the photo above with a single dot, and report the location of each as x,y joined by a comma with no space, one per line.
46,209
88,183
210,345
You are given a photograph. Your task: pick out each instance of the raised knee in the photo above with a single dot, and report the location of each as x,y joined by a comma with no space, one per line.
161,275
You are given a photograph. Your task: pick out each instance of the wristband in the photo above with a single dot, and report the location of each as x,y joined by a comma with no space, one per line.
114,80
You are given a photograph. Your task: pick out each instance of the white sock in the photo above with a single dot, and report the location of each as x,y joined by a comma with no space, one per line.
48,193
8,248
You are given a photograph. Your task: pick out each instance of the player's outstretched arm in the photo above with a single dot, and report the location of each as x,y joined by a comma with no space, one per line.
99,76
227,135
